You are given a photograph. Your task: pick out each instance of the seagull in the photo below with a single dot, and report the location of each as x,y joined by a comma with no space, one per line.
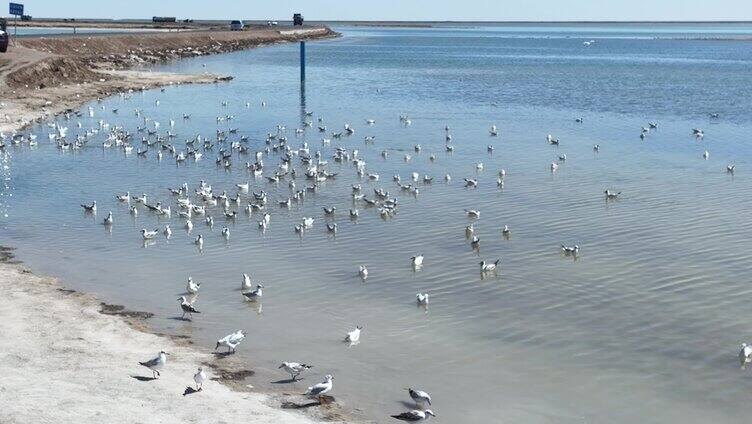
332,228
192,287
730,168
199,378
255,294
354,213
422,298
156,364
420,397
330,211
611,195
596,147
108,220
469,231
479,166
123,197
705,155
199,241
353,336
570,250
226,233
554,167
363,272
417,261
745,355
319,389
506,231
294,369
246,284
489,267
167,231
188,225
133,211
187,307
147,235
472,213
414,415
90,208
492,131
231,341
470,182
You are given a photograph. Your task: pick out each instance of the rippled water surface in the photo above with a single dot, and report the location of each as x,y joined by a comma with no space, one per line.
643,327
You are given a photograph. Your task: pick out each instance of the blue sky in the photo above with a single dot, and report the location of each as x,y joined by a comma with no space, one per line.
537,10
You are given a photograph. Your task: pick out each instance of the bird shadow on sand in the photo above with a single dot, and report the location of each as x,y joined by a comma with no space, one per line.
220,355
324,400
286,381
189,391
181,319
142,378
409,405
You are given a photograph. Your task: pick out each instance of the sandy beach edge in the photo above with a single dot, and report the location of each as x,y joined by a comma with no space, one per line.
70,357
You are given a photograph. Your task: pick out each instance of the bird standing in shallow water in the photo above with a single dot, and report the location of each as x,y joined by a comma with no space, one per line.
231,341
294,369
320,389
420,397
187,308
414,415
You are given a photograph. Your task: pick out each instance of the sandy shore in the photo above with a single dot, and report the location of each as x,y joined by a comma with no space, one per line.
44,76
69,358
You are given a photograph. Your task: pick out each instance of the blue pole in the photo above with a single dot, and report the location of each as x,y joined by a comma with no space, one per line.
302,61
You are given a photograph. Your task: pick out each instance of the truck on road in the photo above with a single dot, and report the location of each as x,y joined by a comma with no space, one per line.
4,36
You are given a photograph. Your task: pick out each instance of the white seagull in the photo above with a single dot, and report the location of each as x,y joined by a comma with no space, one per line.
353,336
231,341
156,364
319,389
254,295
294,369
192,287
199,378
414,415
420,397
489,267
745,355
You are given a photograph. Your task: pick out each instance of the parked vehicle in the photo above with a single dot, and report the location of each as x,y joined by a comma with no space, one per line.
297,19
236,26
4,36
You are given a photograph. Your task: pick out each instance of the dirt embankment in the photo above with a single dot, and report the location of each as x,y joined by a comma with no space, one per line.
72,59
42,76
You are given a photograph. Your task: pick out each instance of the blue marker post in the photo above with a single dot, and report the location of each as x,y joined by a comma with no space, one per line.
302,62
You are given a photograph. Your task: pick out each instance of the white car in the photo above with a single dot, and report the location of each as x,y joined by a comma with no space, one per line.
236,26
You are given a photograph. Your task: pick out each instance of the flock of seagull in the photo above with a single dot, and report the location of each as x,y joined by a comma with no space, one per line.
303,171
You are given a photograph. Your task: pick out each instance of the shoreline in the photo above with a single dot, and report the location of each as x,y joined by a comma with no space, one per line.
88,351
44,76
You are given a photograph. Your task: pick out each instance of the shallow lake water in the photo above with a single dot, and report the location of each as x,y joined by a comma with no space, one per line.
643,326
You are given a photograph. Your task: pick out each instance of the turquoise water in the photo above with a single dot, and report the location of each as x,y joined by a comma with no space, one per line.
643,326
